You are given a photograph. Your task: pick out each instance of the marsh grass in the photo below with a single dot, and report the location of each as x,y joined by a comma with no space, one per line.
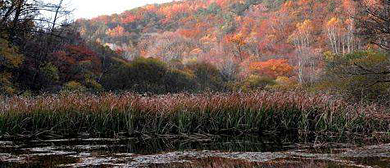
303,115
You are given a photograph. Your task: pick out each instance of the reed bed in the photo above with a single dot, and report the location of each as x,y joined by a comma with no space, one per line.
299,114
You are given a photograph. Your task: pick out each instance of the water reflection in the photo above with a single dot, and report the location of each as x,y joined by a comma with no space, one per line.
186,152
157,145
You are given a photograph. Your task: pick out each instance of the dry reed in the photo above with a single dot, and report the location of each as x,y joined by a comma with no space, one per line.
301,114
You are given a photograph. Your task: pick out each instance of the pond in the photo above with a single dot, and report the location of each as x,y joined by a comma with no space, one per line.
188,152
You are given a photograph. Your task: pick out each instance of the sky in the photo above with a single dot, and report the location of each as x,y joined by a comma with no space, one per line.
92,8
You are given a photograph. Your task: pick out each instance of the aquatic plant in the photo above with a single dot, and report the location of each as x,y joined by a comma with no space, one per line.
302,115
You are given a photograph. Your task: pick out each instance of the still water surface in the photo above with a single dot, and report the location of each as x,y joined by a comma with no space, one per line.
195,152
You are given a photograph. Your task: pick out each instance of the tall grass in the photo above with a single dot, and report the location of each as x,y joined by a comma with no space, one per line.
300,114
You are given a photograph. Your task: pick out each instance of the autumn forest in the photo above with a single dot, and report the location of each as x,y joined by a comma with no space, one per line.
197,46
253,44
316,69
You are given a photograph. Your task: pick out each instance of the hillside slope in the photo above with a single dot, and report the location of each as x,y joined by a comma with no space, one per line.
234,35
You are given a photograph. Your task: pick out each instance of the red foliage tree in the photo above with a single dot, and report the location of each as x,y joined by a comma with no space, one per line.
75,61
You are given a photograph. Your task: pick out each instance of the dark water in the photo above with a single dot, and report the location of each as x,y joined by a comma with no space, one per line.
188,152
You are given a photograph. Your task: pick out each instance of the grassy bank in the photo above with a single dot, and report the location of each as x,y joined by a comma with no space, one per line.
302,115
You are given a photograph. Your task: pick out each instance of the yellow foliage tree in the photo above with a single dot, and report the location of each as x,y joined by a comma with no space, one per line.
9,60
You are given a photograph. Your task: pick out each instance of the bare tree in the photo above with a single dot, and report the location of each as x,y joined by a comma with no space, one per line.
36,28
373,25
29,16
373,22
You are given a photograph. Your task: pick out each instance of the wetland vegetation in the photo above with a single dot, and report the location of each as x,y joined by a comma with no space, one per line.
305,117
211,83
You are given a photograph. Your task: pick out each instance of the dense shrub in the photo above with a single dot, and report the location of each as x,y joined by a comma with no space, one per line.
74,86
10,59
257,82
207,77
145,75
49,75
362,75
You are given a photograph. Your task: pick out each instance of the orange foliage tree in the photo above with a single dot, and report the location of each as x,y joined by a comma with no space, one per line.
272,68
117,32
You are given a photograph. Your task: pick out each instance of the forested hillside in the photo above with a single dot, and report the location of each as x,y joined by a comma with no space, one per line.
272,38
199,45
